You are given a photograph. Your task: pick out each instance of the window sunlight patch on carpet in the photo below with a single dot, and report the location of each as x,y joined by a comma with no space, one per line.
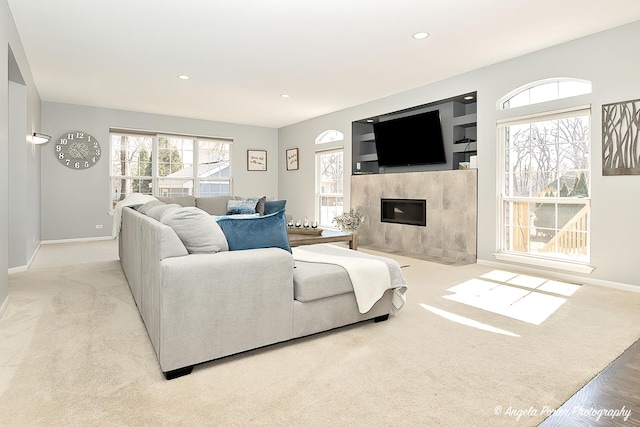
518,296
466,321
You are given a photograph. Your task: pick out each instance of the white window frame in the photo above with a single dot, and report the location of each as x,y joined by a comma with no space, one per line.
155,178
329,136
330,140
319,193
559,82
527,258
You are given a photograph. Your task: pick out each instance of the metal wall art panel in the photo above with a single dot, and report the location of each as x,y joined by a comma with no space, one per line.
620,134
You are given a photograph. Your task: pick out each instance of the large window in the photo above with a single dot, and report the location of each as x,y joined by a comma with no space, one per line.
545,185
169,165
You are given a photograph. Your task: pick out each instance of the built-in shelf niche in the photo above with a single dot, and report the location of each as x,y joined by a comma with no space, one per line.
459,123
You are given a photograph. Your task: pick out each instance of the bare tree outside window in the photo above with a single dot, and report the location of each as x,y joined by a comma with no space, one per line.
543,157
162,165
546,187
131,162
330,172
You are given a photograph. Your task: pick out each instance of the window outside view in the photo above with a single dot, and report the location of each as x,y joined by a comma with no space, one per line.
330,169
164,166
546,198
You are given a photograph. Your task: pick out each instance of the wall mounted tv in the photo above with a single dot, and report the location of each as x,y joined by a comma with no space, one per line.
411,140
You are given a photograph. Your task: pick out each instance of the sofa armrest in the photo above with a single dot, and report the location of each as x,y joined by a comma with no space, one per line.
214,305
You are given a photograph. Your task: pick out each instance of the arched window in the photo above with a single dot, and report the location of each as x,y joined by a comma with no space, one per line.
544,90
330,135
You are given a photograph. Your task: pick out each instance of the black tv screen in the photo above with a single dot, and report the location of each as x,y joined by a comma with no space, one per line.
412,140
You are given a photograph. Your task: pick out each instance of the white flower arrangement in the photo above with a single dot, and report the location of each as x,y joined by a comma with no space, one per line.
350,220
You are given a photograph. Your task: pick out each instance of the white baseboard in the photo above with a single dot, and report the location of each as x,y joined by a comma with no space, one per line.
4,306
19,269
23,268
81,239
562,276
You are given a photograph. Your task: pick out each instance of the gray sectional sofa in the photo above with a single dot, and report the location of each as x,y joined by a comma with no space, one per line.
199,307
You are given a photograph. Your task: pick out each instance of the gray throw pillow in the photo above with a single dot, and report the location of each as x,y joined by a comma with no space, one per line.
199,232
157,211
144,209
260,205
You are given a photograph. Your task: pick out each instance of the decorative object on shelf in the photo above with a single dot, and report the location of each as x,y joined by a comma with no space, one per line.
77,150
620,134
292,159
256,160
349,221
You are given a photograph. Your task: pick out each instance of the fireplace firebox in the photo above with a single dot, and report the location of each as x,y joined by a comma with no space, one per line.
404,211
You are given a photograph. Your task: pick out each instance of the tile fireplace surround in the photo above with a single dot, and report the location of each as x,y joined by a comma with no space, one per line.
452,206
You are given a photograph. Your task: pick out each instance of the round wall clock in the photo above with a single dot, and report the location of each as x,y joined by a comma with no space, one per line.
78,150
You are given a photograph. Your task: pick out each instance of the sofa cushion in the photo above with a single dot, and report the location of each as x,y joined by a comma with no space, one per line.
274,206
268,231
199,232
313,281
144,209
242,207
216,205
156,211
179,200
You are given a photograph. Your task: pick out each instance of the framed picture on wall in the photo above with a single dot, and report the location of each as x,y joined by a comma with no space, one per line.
292,159
256,160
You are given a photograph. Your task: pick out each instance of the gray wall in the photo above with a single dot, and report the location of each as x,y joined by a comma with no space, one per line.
75,201
14,66
17,171
604,58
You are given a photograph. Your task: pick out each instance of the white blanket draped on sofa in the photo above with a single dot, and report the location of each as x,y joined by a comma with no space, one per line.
132,199
371,276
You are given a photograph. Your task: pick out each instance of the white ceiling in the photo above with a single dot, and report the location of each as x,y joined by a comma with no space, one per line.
242,55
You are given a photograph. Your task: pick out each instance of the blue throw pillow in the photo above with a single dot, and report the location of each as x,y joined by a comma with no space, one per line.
267,231
274,206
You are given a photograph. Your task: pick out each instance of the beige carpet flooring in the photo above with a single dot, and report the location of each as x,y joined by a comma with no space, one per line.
74,352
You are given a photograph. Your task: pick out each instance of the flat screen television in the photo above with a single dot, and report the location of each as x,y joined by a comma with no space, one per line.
412,140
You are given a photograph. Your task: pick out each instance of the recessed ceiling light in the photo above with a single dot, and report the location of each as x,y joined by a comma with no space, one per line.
183,77
468,97
285,95
369,120
420,36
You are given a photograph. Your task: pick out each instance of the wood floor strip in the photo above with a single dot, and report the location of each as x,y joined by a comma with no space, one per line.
611,398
